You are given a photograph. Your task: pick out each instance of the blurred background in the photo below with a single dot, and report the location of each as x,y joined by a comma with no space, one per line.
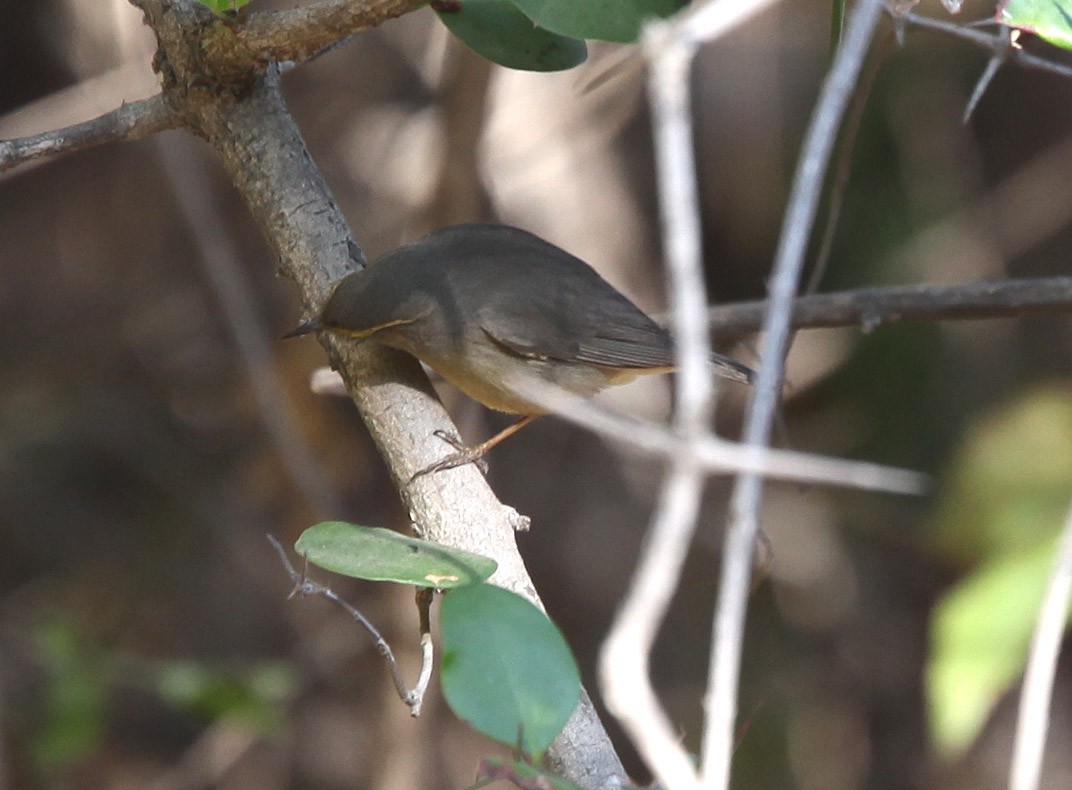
153,429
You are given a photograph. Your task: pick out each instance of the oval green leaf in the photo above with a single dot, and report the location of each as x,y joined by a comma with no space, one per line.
497,30
384,555
506,668
605,20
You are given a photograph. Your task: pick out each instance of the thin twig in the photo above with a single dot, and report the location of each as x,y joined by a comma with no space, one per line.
720,456
424,606
716,456
304,586
839,181
988,42
739,549
1035,698
130,121
996,61
870,308
670,48
625,658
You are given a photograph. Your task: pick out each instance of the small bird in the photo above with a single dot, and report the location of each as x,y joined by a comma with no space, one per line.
491,306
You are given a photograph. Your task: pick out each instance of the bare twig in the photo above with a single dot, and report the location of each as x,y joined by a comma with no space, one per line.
670,48
715,456
990,42
739,548
424,606
872,307
996,61
304,586
839,181
719,456
625,657
1034,715
130,121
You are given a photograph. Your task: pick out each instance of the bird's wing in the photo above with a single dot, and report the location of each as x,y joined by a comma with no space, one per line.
619,337
618,341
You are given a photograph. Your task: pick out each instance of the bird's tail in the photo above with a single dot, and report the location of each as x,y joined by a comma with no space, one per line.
732,369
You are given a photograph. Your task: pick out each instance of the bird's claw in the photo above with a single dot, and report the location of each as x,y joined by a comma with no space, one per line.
463,455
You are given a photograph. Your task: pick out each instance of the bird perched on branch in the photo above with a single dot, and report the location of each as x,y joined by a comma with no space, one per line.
491,307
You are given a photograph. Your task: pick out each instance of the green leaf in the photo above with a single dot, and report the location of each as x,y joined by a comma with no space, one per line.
506,668
497,30
980,633
1050,20
74,700
606,20
384,555
1007,487
252,695
221,6
999,512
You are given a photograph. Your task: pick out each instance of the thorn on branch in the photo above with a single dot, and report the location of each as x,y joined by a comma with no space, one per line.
1004,41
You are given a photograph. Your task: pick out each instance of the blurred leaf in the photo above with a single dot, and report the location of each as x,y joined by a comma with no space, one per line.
1050,20
605,20
1000,510
220,6
981,631
506,668
497,30
384,555
75,698
214,693
1007,491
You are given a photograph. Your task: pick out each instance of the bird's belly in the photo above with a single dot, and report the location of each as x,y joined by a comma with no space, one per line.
499,380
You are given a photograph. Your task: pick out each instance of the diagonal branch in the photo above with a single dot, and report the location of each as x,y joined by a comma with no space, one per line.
130,121
266,158
872,307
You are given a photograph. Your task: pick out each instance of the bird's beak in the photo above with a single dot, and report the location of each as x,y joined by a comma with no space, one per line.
304,328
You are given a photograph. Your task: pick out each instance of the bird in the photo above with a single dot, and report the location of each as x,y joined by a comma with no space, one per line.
490,307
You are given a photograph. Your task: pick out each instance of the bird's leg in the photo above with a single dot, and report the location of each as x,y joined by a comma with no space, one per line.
475,454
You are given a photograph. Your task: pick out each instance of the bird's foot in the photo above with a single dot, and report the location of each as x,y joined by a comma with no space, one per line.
463,455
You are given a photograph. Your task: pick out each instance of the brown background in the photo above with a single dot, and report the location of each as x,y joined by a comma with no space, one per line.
140,470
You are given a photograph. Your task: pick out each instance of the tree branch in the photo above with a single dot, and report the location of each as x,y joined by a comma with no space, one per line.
872,307
130,121
996,45
302,33
263,152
